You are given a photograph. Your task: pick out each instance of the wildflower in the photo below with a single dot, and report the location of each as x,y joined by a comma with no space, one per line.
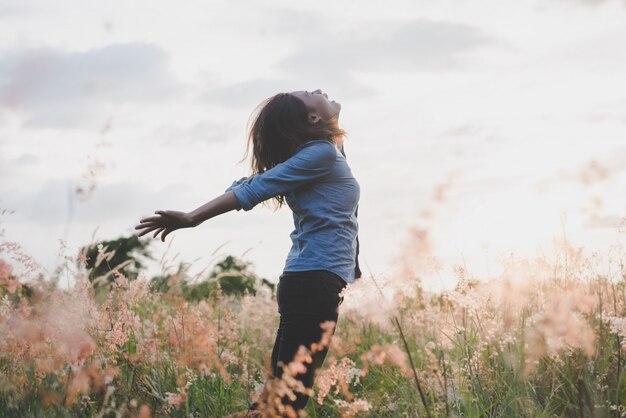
89,377
277,389
144,411
328,328
389,353
7,279
618,326
350,409
175,400
5,269
341,373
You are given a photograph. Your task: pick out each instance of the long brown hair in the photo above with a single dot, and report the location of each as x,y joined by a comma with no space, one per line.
280,126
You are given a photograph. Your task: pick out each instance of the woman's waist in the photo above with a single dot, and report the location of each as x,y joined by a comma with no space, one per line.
336,236
320,223
314,274
329,253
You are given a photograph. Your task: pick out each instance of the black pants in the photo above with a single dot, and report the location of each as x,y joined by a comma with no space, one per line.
305,299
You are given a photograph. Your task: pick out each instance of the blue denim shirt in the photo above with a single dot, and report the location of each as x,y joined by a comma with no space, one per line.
323,195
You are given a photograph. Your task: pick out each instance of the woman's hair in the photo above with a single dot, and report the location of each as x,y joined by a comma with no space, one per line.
280,126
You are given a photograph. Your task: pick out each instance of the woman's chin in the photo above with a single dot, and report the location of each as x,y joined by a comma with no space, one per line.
338,106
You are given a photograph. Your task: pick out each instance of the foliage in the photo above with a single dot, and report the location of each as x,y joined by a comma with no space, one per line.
233,275
122,254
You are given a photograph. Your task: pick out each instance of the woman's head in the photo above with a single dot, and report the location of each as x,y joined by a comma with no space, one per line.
318,105
285,121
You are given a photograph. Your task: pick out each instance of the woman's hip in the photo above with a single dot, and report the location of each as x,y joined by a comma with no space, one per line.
314,292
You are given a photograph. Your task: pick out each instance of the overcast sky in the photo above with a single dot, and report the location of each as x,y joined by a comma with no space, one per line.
475,128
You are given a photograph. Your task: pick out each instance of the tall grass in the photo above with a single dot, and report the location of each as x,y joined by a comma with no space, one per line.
547,338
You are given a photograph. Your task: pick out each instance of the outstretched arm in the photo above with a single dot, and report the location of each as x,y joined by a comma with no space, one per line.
312,163
167,221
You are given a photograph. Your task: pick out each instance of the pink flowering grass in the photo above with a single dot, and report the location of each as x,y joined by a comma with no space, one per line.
547,338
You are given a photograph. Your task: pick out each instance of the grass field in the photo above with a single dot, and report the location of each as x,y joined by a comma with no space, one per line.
547,339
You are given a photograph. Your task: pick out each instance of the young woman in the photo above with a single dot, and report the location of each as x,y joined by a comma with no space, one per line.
298,158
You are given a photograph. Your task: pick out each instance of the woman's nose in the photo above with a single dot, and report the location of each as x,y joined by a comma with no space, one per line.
320,91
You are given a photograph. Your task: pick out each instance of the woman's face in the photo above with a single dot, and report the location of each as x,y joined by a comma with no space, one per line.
318,104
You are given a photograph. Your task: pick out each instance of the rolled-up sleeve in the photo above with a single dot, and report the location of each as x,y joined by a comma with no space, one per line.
313,162
235,183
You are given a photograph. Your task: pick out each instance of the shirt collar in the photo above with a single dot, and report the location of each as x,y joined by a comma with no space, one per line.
311,141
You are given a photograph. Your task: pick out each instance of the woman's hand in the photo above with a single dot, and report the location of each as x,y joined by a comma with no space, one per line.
171,220
166,222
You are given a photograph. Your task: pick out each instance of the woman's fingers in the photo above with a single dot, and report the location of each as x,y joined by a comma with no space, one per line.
158,230
162,216
146,225
146,230
165,222
164,234
149,225
152,219
167,213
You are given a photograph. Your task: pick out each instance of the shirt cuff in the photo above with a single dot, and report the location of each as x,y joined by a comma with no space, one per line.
235,183
243,196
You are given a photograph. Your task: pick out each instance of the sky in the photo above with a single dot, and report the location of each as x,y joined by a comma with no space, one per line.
478,131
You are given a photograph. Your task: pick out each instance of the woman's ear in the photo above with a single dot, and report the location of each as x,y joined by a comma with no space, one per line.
314,118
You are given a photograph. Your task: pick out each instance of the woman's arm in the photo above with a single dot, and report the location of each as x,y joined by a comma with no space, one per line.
167,221
312,163
221,204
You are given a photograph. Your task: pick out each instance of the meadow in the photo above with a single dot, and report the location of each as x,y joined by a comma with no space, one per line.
545,339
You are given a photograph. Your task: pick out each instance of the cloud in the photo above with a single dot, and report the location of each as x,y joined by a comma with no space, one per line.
8,8
278,21
417,45
593,3
465,130
297,71
55,88
331,61
54,202
248,94
13,168
204,131
26,159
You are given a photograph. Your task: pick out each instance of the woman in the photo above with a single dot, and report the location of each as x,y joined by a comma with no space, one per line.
297,158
